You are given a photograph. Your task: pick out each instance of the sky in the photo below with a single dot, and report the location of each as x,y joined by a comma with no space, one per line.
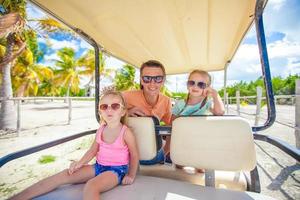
282,30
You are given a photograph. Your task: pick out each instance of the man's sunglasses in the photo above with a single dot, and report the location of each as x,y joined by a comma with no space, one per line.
200,84
157,79
113,106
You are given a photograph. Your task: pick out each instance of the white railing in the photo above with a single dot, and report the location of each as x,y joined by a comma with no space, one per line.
19,100
294,100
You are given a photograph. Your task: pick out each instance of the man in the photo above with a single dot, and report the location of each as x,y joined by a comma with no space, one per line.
148,101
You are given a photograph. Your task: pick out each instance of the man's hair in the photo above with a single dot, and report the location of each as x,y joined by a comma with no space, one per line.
152,63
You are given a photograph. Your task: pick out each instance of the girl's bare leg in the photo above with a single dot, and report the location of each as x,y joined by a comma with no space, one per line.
100,183
54,181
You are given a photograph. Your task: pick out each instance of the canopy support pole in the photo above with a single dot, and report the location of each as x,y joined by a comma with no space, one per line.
225,85
261,40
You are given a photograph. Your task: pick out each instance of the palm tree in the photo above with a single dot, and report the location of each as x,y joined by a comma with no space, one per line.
68,72
12,44
12,25
87,61
27,76
124,78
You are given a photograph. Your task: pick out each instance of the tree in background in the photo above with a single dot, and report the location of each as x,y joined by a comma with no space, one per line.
26,74
13,34
124,78
281,86
87,61
12,21
68,71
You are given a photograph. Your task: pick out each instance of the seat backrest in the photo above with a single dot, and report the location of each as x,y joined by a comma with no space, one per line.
213,142
144,131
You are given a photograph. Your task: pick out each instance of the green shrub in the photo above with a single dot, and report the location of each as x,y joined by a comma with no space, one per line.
46,159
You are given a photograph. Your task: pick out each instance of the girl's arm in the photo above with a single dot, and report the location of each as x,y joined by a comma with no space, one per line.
87,157
134,157
90,154
218,107
173,117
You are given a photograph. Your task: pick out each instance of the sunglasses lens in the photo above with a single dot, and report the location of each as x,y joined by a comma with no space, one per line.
115,106
146,79
158,79
191,83
103,107
201,85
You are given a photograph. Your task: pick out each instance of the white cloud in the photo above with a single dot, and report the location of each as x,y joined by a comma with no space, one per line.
51,57
177,83
283,16
284,48
49,63
246,52
34,12
293,66
276,4
113,63
218,80
57,44
84,45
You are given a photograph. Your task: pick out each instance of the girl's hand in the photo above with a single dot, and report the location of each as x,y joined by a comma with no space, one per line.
127,180
209,91
74,166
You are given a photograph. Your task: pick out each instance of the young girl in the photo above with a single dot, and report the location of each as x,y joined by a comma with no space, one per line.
115,150
198,101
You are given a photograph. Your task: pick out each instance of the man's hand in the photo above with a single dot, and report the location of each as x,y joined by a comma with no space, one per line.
135,112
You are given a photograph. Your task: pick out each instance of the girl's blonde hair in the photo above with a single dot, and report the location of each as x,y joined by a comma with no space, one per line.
112,91
201,72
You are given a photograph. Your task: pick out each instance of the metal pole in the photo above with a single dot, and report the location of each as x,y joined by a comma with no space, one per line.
226,100
238,102
18,116
261,41
297,113
210,178
258,104
70,110
225,83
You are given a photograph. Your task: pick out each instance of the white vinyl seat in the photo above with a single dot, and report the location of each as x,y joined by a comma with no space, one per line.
190,134
213,142
149,188
197,154
223,179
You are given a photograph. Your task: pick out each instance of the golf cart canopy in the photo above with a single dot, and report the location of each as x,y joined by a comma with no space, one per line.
182,34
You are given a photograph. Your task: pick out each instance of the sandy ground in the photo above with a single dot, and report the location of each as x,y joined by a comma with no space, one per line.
46,121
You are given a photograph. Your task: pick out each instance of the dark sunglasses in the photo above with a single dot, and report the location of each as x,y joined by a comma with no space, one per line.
157,79
200,84
113,106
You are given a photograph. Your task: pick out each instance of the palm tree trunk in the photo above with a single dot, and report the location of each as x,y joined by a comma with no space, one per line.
67,94
8,114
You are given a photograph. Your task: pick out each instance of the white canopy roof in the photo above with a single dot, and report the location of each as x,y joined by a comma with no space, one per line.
182,34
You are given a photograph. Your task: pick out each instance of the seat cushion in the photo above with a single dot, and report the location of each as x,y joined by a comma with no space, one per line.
146,187
226,180
213,142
